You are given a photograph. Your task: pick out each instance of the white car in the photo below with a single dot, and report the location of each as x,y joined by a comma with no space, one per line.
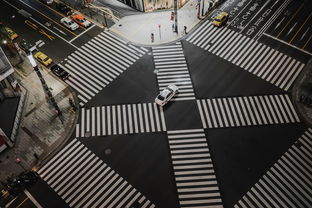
166,94
69,23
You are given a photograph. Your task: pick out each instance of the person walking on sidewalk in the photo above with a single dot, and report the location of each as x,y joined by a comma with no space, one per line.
152,37
185,30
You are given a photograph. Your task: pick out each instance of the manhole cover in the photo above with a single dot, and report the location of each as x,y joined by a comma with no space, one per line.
88,134
108,151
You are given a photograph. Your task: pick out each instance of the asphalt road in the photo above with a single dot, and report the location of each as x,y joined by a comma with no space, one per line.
120,125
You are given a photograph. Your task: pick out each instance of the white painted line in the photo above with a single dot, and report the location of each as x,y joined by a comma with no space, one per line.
34,201
81,34
288,44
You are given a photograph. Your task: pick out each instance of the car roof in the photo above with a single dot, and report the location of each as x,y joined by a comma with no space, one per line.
222,14
78,16
165,92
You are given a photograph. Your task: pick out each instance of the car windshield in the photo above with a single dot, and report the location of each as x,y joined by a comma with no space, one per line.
160,97
218,20
46,59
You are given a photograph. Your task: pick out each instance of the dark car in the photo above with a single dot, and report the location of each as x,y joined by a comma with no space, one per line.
63,9
27,47
58,71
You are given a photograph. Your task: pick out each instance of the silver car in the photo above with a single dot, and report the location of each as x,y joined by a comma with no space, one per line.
166,95
69,23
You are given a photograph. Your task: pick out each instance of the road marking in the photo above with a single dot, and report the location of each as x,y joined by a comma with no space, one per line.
254,16
81,33
300,28
48,18
292,28
42,25
289,21
304,34
302,50
279,23
34,201
307,44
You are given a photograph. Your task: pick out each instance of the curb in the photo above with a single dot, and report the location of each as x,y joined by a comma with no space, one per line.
305,74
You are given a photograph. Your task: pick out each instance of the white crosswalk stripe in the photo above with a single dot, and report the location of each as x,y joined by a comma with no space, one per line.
81,179
98,63
172,68
121,119
288,182
247,111
193,169
265,62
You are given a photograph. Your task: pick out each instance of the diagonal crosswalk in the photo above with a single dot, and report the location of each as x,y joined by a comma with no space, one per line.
261,60
288,182
83,180
121,119
193,169
98,63
172,68
247,111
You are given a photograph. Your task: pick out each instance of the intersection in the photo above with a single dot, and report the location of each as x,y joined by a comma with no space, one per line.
231,137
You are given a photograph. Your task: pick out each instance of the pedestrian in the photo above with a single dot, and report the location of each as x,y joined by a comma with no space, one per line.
185,30
172,27
152,37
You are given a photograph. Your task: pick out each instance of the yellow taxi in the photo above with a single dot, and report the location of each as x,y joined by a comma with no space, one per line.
220,19
10,33
42,58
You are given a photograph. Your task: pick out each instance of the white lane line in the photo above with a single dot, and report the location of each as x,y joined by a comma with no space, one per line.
34,201
293,46
81,34
42,25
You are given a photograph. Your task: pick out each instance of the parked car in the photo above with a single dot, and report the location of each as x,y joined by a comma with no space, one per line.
166,95
63,9
81,20
27,47
42,58
220,19
48,2
69,23
10,33
59,72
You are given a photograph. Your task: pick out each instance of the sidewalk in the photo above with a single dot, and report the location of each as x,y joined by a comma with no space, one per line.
303,86
138,28
40,131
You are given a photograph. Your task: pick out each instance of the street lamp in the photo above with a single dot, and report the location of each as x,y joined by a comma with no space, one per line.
45,86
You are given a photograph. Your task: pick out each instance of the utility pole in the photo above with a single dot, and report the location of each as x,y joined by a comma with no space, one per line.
175,9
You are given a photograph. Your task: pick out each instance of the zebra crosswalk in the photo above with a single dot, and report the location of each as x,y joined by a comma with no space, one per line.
81,179
288,182
121,119
171,68
99,62
261,60
193,169
247,111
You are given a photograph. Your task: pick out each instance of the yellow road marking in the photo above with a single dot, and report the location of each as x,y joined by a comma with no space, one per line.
289,21
300,28
307,42
22,202
50,19
35,27
46,34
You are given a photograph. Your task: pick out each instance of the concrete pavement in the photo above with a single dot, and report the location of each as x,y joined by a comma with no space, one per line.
138,28
40,131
